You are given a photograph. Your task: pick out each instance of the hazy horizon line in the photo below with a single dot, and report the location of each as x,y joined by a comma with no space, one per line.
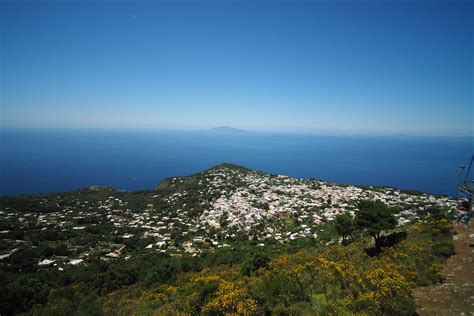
249,131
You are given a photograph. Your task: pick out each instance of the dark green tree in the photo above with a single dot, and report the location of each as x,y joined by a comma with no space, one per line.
373,217
345,227
252,263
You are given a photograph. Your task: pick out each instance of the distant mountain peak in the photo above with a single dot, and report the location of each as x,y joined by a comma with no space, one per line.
227,129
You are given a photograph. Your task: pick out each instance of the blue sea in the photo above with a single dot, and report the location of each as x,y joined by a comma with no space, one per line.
41,160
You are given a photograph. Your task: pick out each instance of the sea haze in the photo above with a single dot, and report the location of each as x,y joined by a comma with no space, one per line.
40,160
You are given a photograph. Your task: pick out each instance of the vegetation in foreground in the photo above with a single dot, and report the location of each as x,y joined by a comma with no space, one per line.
308,278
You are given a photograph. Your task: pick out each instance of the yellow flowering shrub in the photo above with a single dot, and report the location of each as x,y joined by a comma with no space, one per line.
230,299
121,301
386,292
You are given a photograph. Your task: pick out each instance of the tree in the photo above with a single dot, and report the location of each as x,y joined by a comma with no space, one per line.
345,227
373,217
252,263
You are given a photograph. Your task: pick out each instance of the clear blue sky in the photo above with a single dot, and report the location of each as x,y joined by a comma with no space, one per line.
390,67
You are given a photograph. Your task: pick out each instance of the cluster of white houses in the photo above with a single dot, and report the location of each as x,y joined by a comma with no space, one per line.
309,201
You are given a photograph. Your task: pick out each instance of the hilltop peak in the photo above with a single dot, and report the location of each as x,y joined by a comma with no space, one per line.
230,166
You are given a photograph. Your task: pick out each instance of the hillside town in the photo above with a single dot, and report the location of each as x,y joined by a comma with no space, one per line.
189,215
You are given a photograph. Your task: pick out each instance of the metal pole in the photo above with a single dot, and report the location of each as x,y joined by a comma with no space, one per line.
459,175
468,170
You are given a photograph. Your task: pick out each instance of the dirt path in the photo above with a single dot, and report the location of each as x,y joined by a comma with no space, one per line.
456,295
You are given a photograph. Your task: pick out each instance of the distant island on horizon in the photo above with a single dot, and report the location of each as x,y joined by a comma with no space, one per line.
226,129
